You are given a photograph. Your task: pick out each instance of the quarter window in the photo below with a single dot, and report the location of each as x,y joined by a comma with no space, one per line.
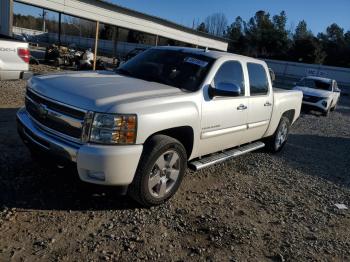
230,72
259,84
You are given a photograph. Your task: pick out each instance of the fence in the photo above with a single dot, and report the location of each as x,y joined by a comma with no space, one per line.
287,73
104,46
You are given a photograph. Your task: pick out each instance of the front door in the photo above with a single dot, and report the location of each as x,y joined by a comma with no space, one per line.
224,119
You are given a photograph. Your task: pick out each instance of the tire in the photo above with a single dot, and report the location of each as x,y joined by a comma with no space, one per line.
45,160
160,171
274,143
326,112
334,108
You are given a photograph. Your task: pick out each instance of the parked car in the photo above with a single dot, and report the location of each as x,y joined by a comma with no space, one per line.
320,93
169,107
14,59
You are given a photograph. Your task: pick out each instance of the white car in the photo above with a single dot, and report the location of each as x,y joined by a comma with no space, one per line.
165,108
14,59
320,93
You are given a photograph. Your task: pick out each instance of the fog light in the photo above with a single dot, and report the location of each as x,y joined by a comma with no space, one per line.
324,103
100,176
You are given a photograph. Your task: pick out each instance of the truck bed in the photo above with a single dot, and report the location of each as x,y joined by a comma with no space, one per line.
281,90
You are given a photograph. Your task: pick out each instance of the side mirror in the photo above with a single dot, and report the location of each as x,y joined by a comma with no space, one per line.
224,89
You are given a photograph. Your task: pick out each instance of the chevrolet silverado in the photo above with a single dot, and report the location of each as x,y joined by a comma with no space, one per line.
167,108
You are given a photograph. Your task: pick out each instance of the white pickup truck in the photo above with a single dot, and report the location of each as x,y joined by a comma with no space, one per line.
14,59
166,108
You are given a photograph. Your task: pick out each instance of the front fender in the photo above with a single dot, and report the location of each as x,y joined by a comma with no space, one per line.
162,117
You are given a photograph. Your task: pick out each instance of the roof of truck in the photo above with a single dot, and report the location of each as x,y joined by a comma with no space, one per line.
209,53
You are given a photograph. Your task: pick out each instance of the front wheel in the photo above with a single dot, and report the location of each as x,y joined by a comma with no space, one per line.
326,112
334,108
278,140
160,171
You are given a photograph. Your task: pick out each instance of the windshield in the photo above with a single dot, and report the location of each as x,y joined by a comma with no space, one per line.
175,68
316,84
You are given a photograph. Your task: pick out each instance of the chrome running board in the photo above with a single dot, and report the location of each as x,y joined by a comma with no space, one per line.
223,156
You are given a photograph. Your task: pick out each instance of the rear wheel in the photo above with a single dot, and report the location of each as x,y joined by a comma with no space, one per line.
278,140
160,171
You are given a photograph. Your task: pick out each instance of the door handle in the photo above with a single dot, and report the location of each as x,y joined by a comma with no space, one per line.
242,107
267,104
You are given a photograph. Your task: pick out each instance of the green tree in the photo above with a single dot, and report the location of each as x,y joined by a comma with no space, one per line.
334,43
202,28
306,48
235,34
266,37
301,31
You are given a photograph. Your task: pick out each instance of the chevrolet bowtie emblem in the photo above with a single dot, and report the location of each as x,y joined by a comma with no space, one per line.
42,110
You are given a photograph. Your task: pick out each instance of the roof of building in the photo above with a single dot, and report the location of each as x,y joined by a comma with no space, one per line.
159,20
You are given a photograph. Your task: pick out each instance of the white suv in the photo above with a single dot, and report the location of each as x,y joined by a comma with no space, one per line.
320,93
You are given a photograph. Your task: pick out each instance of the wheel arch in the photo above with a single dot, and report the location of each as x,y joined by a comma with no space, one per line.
290,115
184,134
275,120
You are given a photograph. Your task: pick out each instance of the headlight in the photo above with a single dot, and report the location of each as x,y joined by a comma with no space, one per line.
113,129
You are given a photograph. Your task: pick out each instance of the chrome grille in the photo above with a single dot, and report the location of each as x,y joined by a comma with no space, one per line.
55,117
311,99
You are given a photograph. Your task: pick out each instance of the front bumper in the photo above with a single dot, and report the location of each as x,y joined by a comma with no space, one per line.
317,105
97,164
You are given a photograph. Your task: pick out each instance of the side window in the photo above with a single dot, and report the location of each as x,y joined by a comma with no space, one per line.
259,84
230,72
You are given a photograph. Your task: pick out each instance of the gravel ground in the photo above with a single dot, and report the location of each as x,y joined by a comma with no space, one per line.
258,207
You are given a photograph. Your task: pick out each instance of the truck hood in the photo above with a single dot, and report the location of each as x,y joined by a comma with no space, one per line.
98,91
313,92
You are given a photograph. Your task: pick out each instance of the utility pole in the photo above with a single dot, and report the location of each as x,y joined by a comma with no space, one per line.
96,43
44,22
59,28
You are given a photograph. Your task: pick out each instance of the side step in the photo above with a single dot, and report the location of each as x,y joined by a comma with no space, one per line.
223,156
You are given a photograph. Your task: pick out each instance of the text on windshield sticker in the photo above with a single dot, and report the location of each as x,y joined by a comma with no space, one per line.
196,61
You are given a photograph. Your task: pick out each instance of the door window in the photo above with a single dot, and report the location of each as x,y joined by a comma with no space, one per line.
259,84
230,72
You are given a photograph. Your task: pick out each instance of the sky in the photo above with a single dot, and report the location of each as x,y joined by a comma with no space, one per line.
317,13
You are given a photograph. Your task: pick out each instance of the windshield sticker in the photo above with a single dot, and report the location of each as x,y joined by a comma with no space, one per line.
196,61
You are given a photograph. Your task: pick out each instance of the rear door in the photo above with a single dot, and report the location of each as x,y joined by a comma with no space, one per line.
260,101
224,119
